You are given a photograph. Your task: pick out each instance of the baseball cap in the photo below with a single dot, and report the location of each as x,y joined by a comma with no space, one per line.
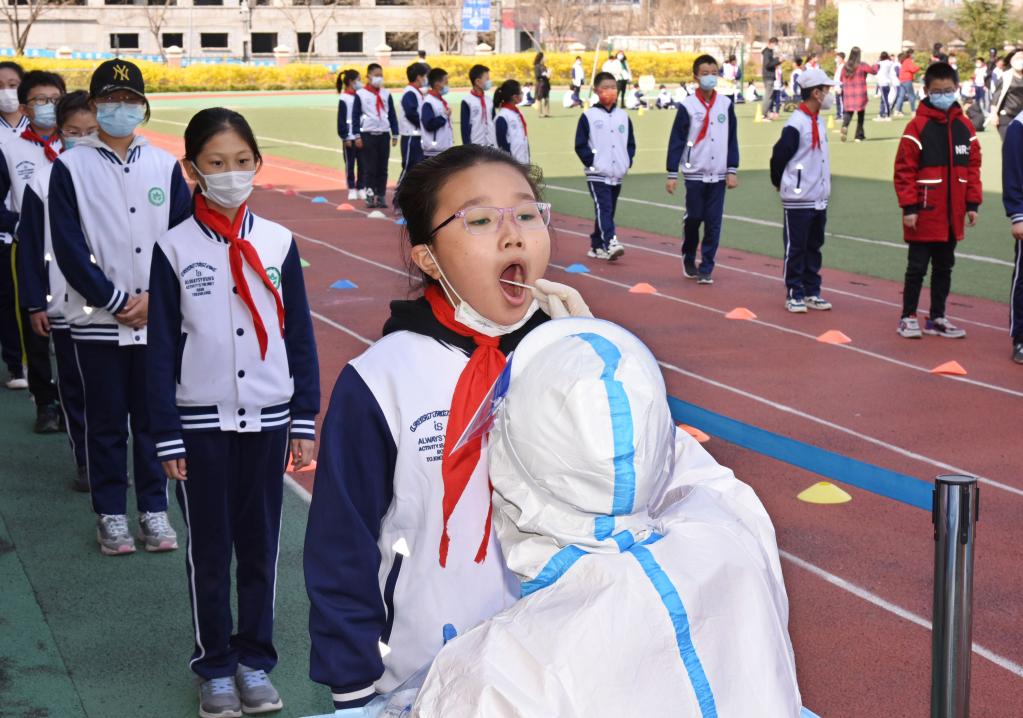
114,75
815,78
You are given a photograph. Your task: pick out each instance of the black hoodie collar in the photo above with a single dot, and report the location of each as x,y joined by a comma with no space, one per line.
416,316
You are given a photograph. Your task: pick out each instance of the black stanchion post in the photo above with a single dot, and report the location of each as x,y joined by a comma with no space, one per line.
955,523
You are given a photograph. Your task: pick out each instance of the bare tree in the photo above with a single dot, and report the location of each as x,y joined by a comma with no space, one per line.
550,23
311,16
156,15
21,15
446,24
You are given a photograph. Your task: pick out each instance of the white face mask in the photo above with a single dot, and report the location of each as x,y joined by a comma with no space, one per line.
228,189
469,317
1017,64
377,81
828,102
9,100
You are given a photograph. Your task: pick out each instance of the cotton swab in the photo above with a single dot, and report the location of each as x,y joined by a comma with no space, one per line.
517,284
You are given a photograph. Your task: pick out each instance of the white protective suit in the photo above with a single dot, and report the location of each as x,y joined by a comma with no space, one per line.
650,575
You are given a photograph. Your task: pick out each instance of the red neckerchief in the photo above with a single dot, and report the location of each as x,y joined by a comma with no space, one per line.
349,91
816,144
707,104
30,135
441,98
239,249
484,367
417,88
375,91
514,108
483,104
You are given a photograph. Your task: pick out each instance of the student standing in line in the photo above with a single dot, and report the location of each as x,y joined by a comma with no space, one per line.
233,385
347,85
477,113
1012,200
20,158
438,135
801,172
510,125
704,144
606,145
42,288
12,123
103,242
409,118
376,123
937,180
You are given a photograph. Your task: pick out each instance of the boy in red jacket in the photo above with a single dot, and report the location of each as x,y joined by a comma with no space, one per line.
937,180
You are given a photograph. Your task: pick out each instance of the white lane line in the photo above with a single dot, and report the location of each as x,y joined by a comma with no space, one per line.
263,138
899,611
780,280
941,465
812,337
816,570
778,225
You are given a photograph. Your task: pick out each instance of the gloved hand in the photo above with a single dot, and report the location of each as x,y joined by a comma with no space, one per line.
560,300
366,711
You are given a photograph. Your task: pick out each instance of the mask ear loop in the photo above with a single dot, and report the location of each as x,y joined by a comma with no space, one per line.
202,177
444,282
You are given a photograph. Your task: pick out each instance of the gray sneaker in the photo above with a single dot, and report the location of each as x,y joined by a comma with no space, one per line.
257,692
155,532
113,536
218,698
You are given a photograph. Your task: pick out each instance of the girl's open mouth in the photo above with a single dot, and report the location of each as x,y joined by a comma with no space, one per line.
516,295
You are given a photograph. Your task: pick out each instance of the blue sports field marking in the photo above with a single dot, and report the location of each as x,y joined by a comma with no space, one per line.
883,482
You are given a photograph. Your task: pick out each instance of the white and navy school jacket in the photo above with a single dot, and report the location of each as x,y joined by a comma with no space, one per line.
477,120
1012,170
379,599
20,160
41,284
105,218
411,108
346,117
717,154
511,134
801,172
605,143
438,134
370,119
9,218
204,370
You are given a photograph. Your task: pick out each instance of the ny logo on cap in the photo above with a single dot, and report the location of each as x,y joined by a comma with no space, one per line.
121,72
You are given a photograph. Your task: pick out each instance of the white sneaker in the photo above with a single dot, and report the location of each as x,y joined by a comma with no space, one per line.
113,536
17,380
362,194
353,194
821,305
155,532
614,249
796,306
599,253
909,328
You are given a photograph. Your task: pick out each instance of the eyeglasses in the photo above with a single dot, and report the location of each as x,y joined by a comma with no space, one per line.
41,101
528,216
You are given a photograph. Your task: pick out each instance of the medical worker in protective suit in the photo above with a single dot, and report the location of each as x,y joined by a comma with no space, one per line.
650,578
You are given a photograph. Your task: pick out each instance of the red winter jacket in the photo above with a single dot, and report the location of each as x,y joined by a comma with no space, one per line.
937,173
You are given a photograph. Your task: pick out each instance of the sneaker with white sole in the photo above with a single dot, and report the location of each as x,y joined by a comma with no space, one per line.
218,698
909,327
598,253
1017,352
796,306
815,302
17,379
942,327
155,532
689,270
704,279
113,535
614,250
362,194
257,692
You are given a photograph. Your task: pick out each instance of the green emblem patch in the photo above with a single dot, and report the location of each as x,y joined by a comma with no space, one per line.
621,128
274,275
721,118
157,196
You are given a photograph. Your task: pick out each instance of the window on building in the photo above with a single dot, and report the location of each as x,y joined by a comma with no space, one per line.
349,42
525,42
213,40
393,2
207,2
305,39
124,41
159,2
263,42
402,41
173,39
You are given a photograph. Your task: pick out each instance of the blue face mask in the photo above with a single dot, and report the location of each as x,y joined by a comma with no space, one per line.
45,116
119,119
445,90
708,82
488,85
942,100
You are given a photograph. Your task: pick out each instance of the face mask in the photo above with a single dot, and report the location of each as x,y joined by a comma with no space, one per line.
228,189
445,90
424,83
45,116
1017,64
608,97
942,100
489,84
621,57
9,100
828,102
357,86
119,119
377,81
469,317
70,142
708,82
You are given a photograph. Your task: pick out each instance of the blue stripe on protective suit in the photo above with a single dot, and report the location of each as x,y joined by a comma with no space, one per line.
680,620
555,569
621,424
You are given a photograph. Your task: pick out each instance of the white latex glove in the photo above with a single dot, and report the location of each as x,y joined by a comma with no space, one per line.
560,300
